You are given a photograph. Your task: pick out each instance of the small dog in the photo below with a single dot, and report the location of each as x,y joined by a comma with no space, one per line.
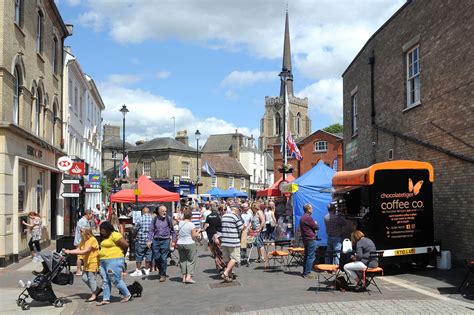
135,289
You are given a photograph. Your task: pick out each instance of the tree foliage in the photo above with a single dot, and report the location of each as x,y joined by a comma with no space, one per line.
334,128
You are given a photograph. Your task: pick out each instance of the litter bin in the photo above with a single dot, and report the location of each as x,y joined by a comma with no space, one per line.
66,242
443,262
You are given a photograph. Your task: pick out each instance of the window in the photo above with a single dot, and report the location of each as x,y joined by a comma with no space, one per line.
262,128
55,119
278,130
18,9
260,178
39,32
55,55
298,124
254,158
22,184
80,107
231,182
39,191
75,99
147,168
185,169
214,181
242,183
254,178
413,77
354,114
39,100
16,96
335,165
321,146
71,96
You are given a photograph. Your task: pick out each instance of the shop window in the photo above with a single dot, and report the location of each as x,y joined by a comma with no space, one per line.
22,187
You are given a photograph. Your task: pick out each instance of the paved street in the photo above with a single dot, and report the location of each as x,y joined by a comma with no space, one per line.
255,292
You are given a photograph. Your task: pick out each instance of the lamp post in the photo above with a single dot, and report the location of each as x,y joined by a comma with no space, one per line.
197,134
124,112
114,156
284,76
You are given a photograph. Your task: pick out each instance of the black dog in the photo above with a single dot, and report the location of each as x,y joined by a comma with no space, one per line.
135,289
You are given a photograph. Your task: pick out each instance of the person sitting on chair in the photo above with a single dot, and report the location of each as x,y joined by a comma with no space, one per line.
361,259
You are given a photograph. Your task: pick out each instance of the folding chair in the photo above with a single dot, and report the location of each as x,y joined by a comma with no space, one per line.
369,274
279,256
329,272
468,279
296,256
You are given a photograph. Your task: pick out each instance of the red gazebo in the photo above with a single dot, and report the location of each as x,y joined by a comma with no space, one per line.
149,192
274,190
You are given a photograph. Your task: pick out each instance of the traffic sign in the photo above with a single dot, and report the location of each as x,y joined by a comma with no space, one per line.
93,190
70,195
64,163
70,181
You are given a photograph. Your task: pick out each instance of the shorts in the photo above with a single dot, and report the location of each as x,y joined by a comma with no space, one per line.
259,240
142,252
229,253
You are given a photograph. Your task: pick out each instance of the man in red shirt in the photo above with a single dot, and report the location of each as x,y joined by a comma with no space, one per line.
309,228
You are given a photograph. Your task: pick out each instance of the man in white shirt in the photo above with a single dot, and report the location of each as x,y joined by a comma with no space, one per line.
246,218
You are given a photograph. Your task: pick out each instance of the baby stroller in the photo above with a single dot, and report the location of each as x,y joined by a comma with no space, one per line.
56,269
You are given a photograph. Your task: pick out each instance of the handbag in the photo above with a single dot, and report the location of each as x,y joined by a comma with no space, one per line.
346,246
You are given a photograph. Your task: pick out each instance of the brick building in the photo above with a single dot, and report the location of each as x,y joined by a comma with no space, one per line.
408,94
320,145
31,136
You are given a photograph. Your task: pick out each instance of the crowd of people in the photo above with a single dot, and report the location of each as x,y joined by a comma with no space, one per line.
226,227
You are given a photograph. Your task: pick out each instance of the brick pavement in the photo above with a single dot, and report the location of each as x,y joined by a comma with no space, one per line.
272,291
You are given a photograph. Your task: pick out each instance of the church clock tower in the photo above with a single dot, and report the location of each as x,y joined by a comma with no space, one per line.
298,122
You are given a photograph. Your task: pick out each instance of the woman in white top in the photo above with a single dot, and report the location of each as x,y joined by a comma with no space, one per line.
187,233
270,221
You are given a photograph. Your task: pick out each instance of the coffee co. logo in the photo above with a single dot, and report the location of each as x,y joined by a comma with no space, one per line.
396,203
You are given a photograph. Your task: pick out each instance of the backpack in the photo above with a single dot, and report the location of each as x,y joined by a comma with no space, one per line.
168,220
341,284
346,246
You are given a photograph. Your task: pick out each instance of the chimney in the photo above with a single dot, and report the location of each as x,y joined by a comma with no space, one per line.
182,136
140,142
111,131
236,141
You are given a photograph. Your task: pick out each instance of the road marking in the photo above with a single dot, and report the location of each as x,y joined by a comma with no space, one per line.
423,290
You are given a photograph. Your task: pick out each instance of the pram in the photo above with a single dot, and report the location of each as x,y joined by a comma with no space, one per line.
56,269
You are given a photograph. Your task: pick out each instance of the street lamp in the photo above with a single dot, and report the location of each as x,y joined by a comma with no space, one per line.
284,76
197,134
124,112
114,156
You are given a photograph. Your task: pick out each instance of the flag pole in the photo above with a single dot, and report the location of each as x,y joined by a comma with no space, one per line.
285,157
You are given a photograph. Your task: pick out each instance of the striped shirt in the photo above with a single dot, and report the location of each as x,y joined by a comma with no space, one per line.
231,228
196,218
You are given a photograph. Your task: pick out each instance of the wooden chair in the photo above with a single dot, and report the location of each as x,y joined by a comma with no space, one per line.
468,279
369,274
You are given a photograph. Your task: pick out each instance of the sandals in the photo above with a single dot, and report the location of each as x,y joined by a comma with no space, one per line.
104,302
226,278
190,281
126,299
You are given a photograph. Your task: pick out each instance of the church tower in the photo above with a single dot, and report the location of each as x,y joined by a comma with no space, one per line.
298,122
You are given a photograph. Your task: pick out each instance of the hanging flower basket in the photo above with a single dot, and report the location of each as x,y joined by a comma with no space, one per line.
286,169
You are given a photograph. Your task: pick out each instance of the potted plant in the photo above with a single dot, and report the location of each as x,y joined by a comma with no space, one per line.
286,169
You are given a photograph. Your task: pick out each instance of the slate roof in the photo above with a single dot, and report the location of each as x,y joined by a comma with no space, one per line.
218,143
224,164
163,144
115,142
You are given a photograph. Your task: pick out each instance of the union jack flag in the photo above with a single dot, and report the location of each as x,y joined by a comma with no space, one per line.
293,148
125,165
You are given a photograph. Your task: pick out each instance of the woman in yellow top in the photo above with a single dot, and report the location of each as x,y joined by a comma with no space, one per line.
112,259
89,249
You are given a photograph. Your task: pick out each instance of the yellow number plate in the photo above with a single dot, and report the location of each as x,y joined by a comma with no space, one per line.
405,251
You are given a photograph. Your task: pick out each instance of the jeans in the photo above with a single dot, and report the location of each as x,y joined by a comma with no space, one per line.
111,272
309,255
161,249
334,250
352,267
187,258
89,278
142,252
36,245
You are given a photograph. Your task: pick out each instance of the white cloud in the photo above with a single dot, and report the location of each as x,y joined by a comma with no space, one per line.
246,78
123,79
325,97
325,34
163,74
231,95
147,121
73,3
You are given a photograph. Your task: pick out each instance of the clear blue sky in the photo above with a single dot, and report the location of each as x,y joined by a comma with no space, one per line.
211,63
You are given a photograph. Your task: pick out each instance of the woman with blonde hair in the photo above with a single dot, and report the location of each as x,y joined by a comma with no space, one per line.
361,258
35,227
89,248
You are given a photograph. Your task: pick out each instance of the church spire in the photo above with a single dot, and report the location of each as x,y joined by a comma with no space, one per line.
287,59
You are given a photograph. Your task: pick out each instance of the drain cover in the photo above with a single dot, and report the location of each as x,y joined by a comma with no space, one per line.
224,284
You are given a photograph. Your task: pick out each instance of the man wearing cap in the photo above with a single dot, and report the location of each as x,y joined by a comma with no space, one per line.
334,229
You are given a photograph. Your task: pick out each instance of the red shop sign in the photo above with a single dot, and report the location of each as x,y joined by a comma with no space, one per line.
78,168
